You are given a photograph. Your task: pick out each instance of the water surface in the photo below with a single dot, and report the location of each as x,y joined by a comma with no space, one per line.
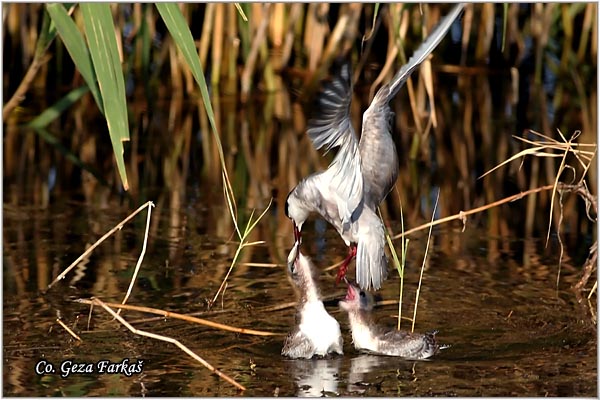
512,331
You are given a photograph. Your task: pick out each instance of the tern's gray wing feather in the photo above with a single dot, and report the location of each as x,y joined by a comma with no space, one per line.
379,159
330,124
371,261
331,127
386,92
377,149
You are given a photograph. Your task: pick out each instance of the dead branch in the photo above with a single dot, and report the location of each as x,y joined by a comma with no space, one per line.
168,314
176,342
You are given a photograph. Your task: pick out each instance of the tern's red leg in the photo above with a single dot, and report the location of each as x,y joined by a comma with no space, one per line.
344,267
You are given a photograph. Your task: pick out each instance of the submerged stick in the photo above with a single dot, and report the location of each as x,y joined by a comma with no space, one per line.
69,330
168,340
98,242
169,314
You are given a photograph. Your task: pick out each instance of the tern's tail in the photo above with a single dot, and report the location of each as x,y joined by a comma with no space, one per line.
371,261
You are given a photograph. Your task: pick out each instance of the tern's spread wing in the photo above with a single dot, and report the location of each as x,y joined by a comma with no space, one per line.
389,90
377,150
331,127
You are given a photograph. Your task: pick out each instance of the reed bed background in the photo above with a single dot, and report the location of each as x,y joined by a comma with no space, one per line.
504,70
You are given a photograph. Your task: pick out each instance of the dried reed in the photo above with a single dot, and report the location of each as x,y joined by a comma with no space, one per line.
167,339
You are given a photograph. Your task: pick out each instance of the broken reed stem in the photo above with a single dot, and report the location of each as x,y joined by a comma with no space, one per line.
169,314
412,329
560,170
69,330
140,258
167,339
98,242
463,214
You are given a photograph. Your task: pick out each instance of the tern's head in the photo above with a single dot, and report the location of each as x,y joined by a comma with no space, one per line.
296,209
357,300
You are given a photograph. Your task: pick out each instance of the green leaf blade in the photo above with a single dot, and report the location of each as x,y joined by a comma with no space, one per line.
100,33
75,45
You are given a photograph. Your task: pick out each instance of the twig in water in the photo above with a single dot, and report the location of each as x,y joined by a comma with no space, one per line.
69,330
266,309
141,257
423,265
98,242
169,314
169,340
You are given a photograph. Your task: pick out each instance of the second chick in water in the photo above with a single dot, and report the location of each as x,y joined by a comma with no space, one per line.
373,339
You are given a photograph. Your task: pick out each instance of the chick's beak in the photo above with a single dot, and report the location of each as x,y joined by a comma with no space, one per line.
294,253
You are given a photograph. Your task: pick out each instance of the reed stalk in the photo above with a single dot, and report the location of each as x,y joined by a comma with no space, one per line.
414,318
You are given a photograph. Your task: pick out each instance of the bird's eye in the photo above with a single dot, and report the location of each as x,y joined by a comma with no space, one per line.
362,294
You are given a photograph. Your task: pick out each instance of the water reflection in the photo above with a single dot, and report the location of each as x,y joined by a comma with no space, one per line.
359,367
317,377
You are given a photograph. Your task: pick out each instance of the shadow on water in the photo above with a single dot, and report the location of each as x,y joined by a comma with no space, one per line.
512,331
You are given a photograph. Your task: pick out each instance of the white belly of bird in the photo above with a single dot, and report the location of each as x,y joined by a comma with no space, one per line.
363,338
320,327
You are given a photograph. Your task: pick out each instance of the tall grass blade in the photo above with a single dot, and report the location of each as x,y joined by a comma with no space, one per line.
46,36
100,32
182,36
414,318
399,263
75,44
